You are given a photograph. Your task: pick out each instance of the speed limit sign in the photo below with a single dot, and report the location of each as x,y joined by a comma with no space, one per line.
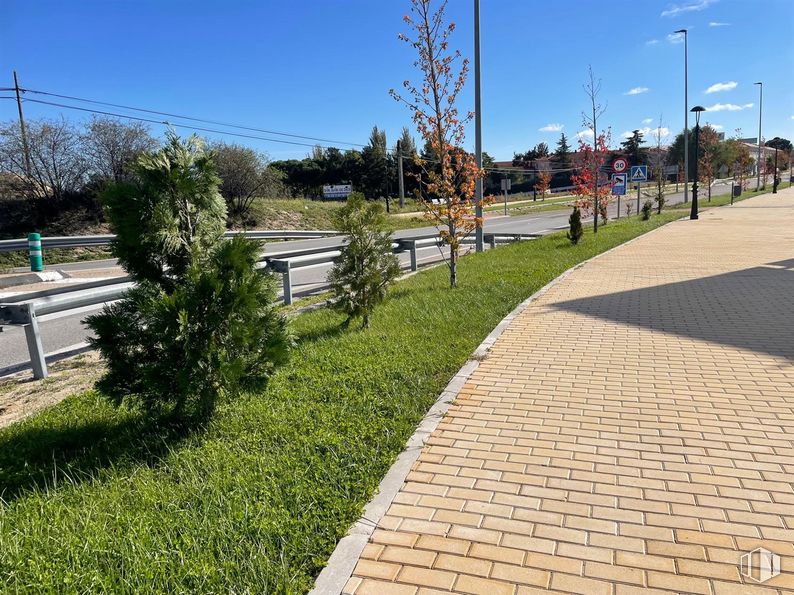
620,165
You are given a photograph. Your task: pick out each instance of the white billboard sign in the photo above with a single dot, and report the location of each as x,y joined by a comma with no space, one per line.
337,190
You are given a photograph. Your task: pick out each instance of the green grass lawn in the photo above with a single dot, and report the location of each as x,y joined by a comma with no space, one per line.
98,499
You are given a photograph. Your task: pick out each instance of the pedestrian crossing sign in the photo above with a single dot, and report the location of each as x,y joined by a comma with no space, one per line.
639,173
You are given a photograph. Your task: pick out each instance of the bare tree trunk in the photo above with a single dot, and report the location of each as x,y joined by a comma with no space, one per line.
453,267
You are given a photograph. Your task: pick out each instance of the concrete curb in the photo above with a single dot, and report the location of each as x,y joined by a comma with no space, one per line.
29,278
334,577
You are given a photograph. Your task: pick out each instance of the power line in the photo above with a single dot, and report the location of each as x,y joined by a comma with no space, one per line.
191,118
152,121
219,123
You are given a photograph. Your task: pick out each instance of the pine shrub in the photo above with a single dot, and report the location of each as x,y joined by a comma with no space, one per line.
367,266
200,320
647,209
575,232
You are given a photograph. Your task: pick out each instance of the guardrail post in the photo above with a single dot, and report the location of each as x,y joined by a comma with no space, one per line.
412,252
286,276
492,240
35,350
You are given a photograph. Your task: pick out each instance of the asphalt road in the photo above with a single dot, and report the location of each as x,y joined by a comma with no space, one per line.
66,331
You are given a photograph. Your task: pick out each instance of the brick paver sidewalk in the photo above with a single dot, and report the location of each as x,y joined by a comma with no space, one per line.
632,431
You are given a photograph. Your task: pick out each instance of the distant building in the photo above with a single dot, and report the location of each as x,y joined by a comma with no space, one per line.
766,152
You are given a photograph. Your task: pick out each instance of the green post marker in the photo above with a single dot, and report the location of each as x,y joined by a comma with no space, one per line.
34,247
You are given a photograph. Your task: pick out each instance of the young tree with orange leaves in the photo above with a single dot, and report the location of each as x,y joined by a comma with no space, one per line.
708,141
543,183
590,184
446,183
597,156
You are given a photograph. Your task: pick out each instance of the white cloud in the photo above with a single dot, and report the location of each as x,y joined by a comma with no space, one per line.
648,132
697,5
717,87
637,90
552,128
675,38
718,24
652,42
584,134
792,117
728,107
647,120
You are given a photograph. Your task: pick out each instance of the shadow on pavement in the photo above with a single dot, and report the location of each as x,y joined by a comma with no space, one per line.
749,309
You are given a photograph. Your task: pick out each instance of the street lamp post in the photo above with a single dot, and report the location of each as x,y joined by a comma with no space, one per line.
686,112
775,180
479,244
693,214
760,108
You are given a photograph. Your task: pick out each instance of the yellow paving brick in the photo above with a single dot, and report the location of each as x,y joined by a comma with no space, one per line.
528,544
520,575
422,577
584,552
402,555
481,586
370,587
708,569
647,561
382,570
612,573
463,564
394,538
351,585
578,584
721,588
498,554
442,544
475,534
682,584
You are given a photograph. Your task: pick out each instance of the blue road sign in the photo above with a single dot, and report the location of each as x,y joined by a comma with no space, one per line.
618,184
639,173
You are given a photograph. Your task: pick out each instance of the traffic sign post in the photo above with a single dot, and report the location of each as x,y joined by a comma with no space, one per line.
639,174
506,183
618,187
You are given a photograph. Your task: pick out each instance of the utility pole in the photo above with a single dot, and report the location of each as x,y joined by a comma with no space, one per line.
478,237
758,162
774,175
686,112
595,170
25,148
400,173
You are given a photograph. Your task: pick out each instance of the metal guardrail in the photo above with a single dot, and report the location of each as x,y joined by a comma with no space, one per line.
105,239
306,258
24,309
26,313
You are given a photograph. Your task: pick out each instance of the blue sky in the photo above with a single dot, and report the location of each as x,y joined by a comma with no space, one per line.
324,68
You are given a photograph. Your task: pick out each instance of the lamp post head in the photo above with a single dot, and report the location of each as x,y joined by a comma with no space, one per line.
758,83
697,109
684,31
